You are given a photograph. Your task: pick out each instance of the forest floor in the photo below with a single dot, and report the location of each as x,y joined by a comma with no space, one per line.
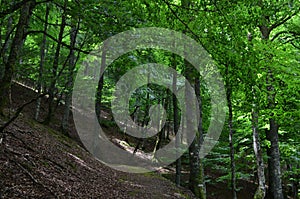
38,161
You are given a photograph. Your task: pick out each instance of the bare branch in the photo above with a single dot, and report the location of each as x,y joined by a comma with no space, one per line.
19,110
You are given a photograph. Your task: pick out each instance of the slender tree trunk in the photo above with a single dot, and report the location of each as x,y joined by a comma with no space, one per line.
145,120
161,134
42,61
193,149
16,46
72,63
296,183
55,66
4,50
201,179
261,190
176,124
230,126
7,41
98,100
100,82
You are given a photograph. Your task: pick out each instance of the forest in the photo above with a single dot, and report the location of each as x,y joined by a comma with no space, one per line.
220,77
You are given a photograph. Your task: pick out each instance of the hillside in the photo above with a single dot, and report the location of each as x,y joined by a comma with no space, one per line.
37,161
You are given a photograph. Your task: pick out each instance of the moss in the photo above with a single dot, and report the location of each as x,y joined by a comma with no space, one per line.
151,174
259,194
61,137
58,135
72,165
133,193
45,163
107,123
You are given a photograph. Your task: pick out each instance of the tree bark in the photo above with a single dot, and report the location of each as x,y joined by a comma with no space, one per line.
261,190
55,66
7,41
100,82
176,123
16,46
273,152
230,126
202,187
70,83
42,61
161,134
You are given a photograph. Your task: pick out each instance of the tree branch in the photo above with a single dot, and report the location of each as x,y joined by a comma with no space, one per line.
54,39
192,9
196,37
6,41
13,8
19,110
282,21
44,22
298,47
22,167
285,32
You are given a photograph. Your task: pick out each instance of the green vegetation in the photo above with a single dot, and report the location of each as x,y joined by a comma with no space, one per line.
255,46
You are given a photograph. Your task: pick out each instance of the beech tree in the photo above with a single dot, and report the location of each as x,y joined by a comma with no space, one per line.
254,44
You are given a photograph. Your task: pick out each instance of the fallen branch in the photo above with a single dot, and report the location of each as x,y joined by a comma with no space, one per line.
19,110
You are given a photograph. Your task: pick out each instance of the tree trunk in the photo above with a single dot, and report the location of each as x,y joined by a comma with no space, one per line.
275,183
201,179
230,126
196,184
273,151
7,40
55,66
42,61
176,124
194,147
274,161
161,134
261,190
16,46
70,83
100,82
